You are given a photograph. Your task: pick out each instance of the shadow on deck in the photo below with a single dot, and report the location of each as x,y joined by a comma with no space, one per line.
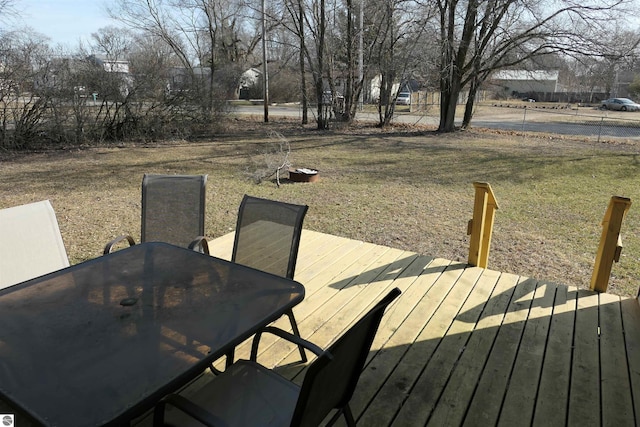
465,345
462,345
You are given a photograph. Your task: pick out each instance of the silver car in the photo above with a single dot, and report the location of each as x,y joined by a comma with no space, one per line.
404,98
620,104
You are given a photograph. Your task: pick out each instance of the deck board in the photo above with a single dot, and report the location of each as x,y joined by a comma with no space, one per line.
403,390
553,392
615,387
401,325
444,353
519,402
462,345
486,403
452,407
584,394
631,324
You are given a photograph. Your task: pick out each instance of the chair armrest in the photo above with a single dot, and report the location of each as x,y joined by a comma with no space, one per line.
285,335
200,242
189,408
109,246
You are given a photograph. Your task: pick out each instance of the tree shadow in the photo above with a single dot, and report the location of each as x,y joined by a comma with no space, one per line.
535,353
410,266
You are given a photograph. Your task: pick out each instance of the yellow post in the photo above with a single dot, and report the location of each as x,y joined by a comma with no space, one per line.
610,242
481,226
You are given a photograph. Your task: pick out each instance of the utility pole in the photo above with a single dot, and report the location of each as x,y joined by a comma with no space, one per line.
265,72
360,57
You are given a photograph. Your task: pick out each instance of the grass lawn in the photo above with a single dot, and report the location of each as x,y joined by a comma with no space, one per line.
406,188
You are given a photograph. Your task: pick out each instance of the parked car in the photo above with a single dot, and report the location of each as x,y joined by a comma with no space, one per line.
404,98
327,97
620,104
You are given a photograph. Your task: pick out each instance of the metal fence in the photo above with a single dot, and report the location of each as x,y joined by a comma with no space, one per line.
580,121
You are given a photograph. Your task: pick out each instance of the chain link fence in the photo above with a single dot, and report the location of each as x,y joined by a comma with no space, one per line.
589,122
582,121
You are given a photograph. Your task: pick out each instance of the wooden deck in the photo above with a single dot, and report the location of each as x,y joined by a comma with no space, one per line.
465,345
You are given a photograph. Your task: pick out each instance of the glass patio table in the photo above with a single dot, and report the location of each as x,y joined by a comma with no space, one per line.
100,342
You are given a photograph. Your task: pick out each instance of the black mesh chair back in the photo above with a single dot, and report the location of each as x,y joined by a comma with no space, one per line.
249,394
332,378
173,208
268,235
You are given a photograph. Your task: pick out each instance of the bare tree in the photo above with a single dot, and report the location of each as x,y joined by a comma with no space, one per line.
297,25
334,36
206,36
318,27
478,37
8,11
114,43
25,90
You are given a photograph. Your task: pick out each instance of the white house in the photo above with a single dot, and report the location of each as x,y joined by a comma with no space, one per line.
250,77
523,81
112,65
374,88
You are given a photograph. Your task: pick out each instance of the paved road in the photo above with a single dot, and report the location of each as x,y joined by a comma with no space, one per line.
514,121
595,129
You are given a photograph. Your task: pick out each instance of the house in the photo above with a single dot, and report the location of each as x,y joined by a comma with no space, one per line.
181,79
513,82
117,67
248,82
111,65
373,93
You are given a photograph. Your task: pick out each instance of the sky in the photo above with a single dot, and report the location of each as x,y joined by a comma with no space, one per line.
65,22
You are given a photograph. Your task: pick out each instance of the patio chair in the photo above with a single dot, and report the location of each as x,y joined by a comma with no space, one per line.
173,210
31,244
267,238
248,394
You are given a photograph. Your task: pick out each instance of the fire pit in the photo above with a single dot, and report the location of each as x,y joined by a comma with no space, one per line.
303,175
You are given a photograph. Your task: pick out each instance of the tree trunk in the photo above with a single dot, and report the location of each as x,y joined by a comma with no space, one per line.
323,120
471,101
303,80
303,84
468,111
453,61
450,91
385,111
348,95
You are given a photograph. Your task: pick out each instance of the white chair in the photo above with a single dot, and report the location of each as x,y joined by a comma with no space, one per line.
30,243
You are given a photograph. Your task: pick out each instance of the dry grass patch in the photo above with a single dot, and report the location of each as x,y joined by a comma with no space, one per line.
406,188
